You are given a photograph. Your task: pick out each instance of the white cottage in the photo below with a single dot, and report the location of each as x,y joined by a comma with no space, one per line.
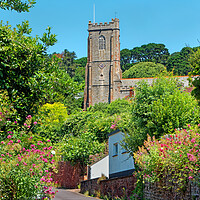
117,164
120,161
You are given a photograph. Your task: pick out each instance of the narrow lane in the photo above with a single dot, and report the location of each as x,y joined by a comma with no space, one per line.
69,195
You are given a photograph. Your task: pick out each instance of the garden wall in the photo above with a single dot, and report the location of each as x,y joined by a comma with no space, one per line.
156,192
111,187
68,176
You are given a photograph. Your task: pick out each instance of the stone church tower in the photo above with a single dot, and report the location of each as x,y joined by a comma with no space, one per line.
103,73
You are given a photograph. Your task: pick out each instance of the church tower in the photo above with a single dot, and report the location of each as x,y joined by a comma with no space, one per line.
102,73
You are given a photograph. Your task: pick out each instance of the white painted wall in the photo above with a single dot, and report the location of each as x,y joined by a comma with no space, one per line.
122,161
99,168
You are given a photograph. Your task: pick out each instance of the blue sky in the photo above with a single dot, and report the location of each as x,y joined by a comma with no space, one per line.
174,23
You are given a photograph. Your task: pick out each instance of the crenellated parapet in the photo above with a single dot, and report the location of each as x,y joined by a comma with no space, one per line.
114,24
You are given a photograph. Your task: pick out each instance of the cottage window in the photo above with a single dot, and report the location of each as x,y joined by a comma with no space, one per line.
102,42
115,149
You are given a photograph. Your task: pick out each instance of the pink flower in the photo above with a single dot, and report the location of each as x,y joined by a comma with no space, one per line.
193,140
31,169
18,141
113,126
35,123
161,149
17,164
180,155
29,117
2,142
190,177
25,124
48,140
0,120
24,163
191,157
15,122
9,136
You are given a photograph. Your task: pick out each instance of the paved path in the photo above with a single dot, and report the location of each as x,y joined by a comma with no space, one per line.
69,195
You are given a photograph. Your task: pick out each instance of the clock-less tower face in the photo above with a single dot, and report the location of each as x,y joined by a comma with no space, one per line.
103,62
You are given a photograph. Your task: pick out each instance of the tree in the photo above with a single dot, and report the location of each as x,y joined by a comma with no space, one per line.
151,52
195,65
78,149
17,5
23,64
158,110
80,69
144,69
125,59
178,62
98,119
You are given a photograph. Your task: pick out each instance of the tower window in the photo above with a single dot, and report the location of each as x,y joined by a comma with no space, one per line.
102,42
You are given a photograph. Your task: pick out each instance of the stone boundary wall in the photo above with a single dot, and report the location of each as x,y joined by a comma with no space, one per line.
153,191
114,187
68,176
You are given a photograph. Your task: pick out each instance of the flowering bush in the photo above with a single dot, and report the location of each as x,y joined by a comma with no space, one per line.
50,119
176,157
25,165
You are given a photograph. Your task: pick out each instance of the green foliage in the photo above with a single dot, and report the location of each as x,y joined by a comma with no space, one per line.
144,70
17,5
151,52
23,64
61,88
78,149
178,62
195,65
158,110
50,119
98,119
173,157
125,59
74,67
25,163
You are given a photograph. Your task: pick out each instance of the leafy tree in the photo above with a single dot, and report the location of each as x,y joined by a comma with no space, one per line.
195,65
151,52
78,149
67,61
98,119
158,110
17,5
79,75
81,62
62,88
144,69
125,59
23,63
50,119
74,67
178,62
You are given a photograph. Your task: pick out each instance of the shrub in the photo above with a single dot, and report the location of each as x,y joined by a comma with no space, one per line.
50,119
175,157
158,110
25,165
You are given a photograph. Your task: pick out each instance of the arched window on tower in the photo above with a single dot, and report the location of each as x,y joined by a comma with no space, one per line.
102,42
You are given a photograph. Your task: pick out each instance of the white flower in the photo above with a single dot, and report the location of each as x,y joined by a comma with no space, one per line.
53,152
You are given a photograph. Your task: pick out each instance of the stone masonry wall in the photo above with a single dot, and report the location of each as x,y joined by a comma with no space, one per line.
111,187
68,176
156,192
